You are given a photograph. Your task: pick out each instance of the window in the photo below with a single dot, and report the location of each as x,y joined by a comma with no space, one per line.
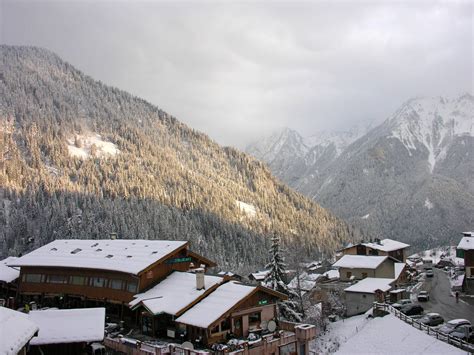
132,286
97,282
215,329
254,318
78,280
348,274
34,278
225,325
364,296
116,284
57,279
364,275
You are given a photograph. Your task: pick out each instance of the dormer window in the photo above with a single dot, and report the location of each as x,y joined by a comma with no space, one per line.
75,251
109,256
54,249
98,249
94,245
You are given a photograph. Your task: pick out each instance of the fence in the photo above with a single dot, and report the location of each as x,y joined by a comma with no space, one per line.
459,343
132,347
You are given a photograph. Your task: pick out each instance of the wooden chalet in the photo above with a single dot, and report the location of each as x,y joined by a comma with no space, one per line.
100,272
465,249
233,308
384,247
358,267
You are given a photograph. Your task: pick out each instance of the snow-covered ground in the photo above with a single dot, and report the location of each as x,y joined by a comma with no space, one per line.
436,254
381,335
85,143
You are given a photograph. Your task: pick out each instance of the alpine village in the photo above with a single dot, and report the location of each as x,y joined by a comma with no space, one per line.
124,231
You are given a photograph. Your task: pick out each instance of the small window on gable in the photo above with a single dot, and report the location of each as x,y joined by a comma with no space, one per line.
75,251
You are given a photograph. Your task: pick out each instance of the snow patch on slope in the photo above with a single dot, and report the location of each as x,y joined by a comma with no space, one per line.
81,146
246,208
428,204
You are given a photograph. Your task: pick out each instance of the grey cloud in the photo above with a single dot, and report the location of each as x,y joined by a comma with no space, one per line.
238,69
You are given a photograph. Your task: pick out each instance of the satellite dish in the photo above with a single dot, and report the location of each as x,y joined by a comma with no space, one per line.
187,345
264,325
271,326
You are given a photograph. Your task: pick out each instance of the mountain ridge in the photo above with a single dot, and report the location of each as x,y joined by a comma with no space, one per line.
408,178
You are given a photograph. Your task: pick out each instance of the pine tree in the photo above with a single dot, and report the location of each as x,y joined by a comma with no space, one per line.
289,309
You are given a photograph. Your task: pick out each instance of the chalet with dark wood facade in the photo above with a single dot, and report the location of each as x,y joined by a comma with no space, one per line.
384,247
233,308
108,270
465,249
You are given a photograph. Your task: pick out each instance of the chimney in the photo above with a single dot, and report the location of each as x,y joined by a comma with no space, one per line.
200,278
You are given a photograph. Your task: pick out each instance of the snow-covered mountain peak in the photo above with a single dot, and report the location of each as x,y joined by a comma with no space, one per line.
433,123
281,142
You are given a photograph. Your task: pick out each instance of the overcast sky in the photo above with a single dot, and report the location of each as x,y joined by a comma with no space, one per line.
238,70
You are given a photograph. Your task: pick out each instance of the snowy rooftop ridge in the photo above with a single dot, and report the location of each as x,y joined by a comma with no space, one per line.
16,330
212,307
466,243
123,255
387,245
370,285
174,293
360,261
58,326
7,273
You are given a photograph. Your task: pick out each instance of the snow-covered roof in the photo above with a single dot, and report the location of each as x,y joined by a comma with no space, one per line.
387,245
384,335
174,293
7,273
307,281
466,243
260,275
215,305
332,274
68,325
16,330
398,269
125,255
370,285
360,261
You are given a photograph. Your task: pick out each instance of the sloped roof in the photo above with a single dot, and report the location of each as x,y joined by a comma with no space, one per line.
7,273
58,326
360,261
124,255
16,330
466,243
398,269
174,293
370,285
260,275
211,308
387,245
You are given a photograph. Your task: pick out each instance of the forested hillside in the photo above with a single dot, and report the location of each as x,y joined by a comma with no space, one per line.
81,159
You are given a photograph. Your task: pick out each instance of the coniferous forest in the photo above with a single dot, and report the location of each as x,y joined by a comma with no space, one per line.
163,181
